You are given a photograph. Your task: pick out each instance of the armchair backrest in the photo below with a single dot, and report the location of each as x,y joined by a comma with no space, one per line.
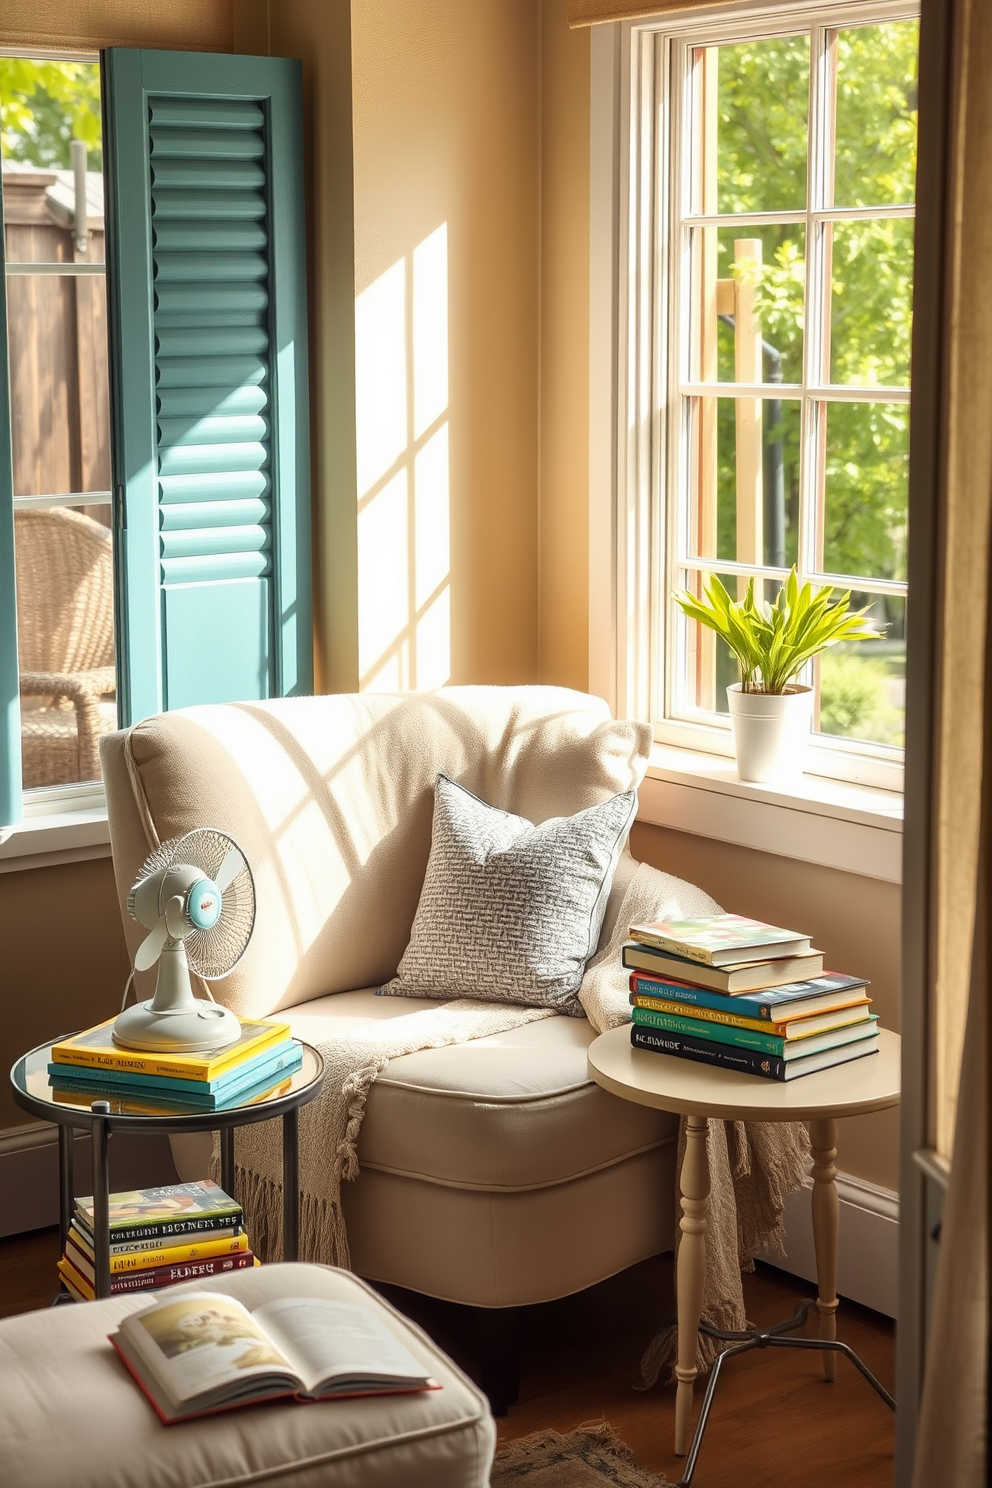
331,799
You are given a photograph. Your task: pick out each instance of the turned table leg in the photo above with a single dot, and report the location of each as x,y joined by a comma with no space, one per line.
826,1230
695,1186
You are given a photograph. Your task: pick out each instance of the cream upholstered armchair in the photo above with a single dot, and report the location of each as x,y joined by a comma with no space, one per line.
493,1173
65,623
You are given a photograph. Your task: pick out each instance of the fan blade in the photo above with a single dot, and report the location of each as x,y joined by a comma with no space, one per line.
230,868
151,947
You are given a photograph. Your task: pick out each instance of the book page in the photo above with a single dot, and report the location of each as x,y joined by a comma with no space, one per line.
205,1343
332,1341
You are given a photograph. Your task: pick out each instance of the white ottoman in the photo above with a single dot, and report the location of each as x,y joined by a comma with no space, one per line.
71,1415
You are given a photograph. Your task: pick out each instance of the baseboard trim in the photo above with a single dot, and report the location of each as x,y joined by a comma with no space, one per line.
29,1171
868,1262
29,1176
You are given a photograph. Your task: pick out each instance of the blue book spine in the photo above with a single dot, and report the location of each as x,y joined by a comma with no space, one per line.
274,1060
744,1007
256,1080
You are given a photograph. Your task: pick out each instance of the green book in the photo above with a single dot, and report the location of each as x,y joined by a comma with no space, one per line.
746,1038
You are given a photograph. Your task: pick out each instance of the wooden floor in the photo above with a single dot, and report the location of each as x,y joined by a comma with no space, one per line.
775,1424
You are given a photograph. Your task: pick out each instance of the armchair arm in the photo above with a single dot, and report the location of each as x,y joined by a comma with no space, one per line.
83,690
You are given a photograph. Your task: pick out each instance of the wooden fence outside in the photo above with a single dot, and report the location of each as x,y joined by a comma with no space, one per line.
57,338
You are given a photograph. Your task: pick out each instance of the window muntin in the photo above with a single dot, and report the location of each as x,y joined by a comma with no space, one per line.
788,347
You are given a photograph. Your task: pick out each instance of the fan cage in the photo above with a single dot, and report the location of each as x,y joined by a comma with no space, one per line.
212,953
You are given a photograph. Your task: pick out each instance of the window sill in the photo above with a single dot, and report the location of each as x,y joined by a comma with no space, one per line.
853,828
48,836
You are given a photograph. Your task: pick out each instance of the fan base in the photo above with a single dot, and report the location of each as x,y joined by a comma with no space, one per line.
199,1029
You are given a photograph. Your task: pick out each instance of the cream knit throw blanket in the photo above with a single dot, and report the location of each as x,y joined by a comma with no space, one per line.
752,1166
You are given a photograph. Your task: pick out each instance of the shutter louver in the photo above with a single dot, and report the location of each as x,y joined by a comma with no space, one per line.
213,435
218,502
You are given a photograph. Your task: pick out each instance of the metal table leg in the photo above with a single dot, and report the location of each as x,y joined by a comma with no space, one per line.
67,1201
101,1198
776,1336
227,1168
291,1185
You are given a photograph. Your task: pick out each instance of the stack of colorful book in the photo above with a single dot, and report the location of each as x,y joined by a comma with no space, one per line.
90,1065
158,1236
743,995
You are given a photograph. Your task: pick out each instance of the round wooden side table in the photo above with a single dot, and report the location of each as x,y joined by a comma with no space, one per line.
700,1091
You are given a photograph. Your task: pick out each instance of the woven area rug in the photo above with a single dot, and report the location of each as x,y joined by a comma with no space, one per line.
591,1456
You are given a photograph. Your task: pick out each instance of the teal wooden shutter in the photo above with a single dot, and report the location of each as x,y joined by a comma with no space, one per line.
10,707
207,292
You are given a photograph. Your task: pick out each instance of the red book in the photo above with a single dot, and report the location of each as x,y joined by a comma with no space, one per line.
158,1276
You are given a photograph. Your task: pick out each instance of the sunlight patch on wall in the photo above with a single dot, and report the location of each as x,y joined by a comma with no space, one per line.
404,570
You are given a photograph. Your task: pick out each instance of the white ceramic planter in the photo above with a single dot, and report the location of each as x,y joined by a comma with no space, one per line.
771,731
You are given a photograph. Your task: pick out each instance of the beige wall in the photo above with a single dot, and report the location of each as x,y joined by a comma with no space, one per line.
194,25
855,921
64,962
564,384
446,168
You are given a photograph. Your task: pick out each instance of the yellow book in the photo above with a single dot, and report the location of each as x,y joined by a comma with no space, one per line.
95,1049
165,1255
77,1285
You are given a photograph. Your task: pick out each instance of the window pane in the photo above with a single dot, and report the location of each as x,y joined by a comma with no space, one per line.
866,486
59,398
744,480
863,683
748,286
876,114
871,305
705,664
57,333
758,110
47,105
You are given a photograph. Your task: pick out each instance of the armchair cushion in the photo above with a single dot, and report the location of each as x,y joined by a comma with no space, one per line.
510,911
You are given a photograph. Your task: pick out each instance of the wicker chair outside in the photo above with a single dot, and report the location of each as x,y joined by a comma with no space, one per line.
65,621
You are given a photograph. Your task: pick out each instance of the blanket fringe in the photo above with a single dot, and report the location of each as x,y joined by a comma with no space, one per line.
323,1236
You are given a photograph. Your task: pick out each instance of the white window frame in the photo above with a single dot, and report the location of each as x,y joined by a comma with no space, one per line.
61,823
631,649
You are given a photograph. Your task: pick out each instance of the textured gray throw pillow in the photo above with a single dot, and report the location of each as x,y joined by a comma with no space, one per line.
510,911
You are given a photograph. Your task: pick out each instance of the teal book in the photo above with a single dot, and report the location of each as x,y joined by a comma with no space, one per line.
761,1043
255,1084
270,1061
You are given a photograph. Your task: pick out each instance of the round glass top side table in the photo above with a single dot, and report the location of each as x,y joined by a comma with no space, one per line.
700,1091
105,1115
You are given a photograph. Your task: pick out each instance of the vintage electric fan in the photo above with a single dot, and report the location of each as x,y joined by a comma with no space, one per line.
196,898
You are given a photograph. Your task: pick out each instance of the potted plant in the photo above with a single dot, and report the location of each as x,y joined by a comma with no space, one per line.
771,714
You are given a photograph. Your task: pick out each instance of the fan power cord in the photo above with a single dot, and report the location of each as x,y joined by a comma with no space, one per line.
127,987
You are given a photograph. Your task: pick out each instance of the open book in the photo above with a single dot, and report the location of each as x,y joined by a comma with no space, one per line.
206,1352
